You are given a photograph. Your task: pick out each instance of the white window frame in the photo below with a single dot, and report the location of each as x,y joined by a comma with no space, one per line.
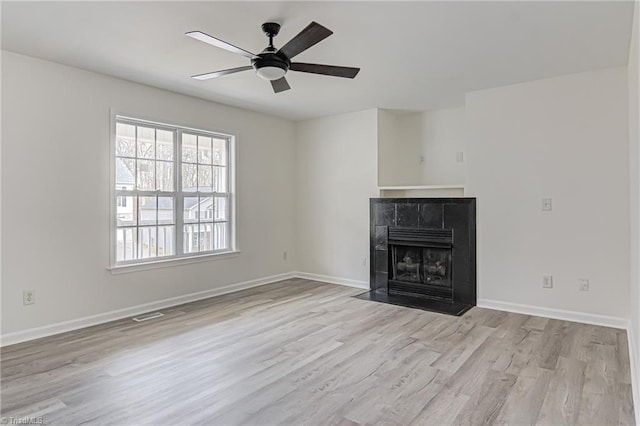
178,196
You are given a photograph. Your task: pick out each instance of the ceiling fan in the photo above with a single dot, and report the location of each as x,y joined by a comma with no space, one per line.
272,64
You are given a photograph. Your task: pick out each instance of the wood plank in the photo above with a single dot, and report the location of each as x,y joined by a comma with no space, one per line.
562,401
525,399
460,352
553,339
485,405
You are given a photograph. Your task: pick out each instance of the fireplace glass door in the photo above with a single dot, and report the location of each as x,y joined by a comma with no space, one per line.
422,265
436,266
407,263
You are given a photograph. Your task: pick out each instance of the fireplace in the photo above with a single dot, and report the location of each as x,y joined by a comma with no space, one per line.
423,253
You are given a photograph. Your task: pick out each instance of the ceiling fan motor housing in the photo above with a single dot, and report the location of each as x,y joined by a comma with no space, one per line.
269,62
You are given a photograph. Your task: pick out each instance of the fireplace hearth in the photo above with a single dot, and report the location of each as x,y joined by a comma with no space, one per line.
423,253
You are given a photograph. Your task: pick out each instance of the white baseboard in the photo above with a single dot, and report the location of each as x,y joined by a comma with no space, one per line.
333,280
594,319
62,327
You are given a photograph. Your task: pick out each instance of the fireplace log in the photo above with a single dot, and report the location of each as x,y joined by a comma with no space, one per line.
437,268
408,267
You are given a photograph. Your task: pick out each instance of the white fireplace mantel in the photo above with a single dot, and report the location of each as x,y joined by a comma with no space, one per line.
421,191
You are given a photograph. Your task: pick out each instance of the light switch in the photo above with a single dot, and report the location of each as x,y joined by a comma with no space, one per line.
546,204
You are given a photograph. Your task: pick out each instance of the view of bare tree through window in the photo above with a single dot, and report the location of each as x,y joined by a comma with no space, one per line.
147,153
146,193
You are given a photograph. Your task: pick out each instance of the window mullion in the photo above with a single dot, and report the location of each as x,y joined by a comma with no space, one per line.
179,199
230,203
135,169
155,159
137,231
133,193
157,221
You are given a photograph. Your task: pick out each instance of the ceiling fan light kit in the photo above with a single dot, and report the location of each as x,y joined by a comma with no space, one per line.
272,64
271,72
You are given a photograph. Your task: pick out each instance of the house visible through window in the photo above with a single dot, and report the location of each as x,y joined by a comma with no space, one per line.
172,196
122,201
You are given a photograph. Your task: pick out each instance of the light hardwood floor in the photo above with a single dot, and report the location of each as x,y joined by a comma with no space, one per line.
302,352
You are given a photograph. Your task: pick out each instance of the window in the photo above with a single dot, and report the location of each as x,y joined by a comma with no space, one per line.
172,196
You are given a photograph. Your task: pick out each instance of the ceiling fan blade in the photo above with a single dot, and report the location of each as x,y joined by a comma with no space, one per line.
199,35
335,71
280,85
220,73
312,34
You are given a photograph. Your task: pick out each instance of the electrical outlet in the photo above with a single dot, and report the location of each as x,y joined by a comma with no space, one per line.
284,255
546,205
28,297
547,281
421,159
583,284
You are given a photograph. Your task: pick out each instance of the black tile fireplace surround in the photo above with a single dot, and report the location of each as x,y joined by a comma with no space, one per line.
423,253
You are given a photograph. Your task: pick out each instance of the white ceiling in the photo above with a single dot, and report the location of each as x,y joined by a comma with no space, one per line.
413,55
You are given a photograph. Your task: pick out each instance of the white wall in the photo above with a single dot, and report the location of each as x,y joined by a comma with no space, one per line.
55,141
398,150
435,136
633,82
336,160
564,138
442,136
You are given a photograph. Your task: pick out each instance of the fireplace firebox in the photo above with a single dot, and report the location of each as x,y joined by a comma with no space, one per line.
424,266
423,253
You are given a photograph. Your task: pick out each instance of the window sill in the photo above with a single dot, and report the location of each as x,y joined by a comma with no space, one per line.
166,263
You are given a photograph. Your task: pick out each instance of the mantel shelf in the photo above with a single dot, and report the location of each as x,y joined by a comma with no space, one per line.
421,191
411,187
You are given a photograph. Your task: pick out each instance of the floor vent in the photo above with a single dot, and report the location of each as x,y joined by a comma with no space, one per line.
147,317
